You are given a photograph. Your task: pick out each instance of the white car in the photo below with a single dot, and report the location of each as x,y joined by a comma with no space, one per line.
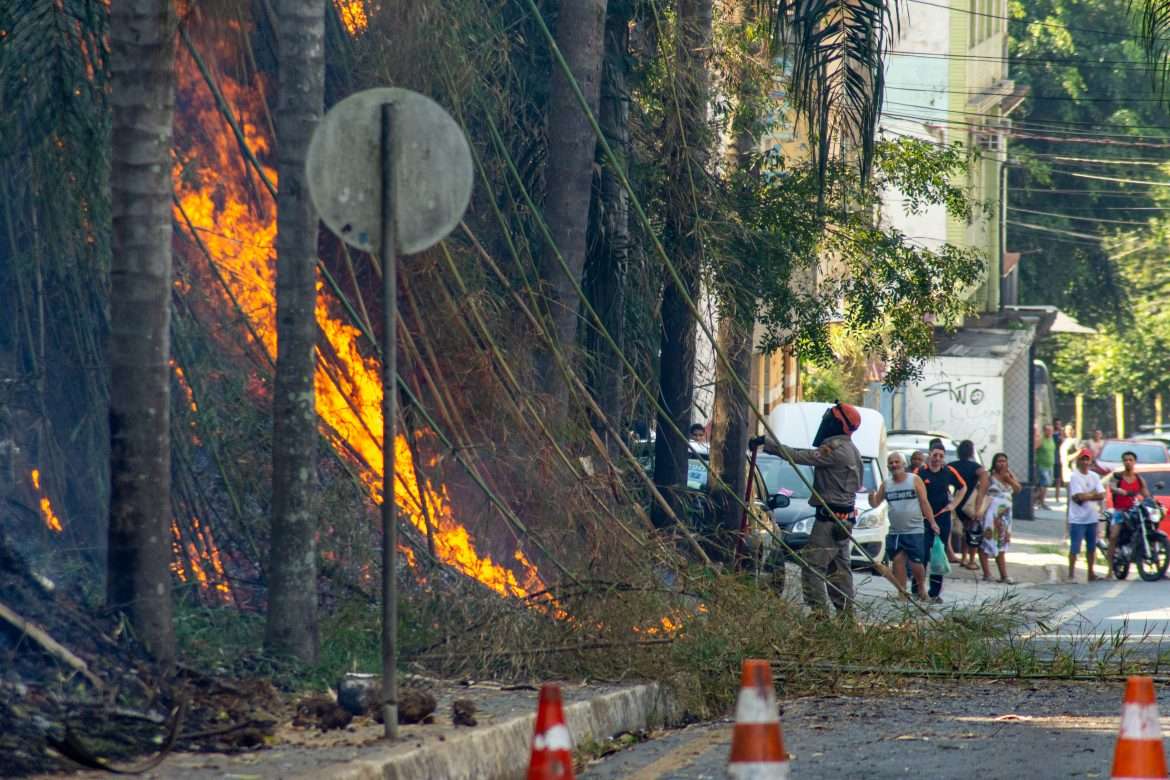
909,442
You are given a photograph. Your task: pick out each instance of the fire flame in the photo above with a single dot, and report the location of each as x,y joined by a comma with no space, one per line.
353,15
235,218
52,521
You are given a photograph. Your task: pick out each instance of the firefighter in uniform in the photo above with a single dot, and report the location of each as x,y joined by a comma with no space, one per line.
837,477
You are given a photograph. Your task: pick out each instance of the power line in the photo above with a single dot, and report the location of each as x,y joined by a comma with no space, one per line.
1127,65
1040,135
1042,124
1056,25
1031,96
1097,160
1079,219
1058,231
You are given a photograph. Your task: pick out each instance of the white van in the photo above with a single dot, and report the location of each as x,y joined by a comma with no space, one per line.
796,424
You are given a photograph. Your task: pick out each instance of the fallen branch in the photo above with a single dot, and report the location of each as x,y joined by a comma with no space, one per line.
49,645
72,748
956,674
543,650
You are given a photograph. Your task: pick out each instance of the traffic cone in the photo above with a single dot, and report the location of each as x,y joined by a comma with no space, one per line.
757,747
1139,753
552,745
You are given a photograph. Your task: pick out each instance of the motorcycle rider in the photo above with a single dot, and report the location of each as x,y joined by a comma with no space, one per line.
837,477
1126,488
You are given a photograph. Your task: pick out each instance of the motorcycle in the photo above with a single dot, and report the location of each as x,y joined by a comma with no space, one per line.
1141,542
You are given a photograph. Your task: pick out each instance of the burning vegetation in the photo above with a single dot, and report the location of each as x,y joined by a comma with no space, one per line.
224,203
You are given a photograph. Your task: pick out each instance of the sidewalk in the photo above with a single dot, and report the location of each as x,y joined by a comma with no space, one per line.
496,749
1038,555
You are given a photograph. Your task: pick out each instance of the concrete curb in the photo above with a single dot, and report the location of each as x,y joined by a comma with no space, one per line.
500,751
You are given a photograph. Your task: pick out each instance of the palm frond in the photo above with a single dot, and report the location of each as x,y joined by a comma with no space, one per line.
835,50
1154,35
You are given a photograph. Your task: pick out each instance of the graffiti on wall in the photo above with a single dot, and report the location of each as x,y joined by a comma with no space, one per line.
962,406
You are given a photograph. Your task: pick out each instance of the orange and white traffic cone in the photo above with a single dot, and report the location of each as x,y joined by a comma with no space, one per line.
757,747
552,745
1139,754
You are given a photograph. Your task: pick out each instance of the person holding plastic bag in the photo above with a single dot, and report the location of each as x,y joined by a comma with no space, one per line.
946,490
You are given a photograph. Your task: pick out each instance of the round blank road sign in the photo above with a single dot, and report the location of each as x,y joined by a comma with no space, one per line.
433,173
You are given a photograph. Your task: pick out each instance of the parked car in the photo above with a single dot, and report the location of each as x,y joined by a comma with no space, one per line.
763,536
795,425
795,520
1147,451
908,442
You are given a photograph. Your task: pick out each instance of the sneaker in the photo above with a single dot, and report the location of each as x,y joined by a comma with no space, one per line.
936,600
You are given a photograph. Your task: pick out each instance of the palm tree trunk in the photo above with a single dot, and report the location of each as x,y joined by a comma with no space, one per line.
569,177
729,423
292,571
686,150
610,249
142,57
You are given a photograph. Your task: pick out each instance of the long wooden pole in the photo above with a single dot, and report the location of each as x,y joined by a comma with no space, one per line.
387,247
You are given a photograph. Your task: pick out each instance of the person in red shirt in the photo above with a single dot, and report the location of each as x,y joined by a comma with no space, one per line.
1126,487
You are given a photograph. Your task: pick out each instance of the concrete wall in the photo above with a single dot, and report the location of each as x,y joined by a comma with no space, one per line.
961,397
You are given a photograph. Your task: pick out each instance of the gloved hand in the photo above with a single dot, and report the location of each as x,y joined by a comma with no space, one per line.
756,442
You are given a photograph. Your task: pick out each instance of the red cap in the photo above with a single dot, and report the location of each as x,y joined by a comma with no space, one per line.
1085,453
848,415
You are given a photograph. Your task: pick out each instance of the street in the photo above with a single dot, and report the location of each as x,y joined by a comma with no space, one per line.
954,729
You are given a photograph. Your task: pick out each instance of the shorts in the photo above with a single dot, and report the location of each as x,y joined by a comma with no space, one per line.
1116,516
1043,477
1082,532
911,544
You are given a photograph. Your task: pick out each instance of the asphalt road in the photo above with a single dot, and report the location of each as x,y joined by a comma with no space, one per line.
988,729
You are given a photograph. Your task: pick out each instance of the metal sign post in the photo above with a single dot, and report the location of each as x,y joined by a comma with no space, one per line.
413,198
388,244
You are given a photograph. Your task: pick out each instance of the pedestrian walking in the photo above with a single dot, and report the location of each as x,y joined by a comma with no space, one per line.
1086,492
946,489
1045,459
1058,470
837,478
909,510
1002,485
968,519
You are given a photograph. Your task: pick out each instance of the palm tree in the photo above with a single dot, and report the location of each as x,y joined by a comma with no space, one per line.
142,57
569,177
836,50
292,571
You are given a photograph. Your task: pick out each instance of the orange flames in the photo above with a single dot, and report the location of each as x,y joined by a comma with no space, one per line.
52,521
353,15
198,559
235,218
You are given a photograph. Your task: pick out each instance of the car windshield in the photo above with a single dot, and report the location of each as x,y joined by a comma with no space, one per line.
780,476
1146,453
870,474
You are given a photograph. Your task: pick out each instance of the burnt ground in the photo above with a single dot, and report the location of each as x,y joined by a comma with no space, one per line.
119,707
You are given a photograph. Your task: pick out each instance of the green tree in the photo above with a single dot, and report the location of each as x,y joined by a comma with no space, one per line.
1081,130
